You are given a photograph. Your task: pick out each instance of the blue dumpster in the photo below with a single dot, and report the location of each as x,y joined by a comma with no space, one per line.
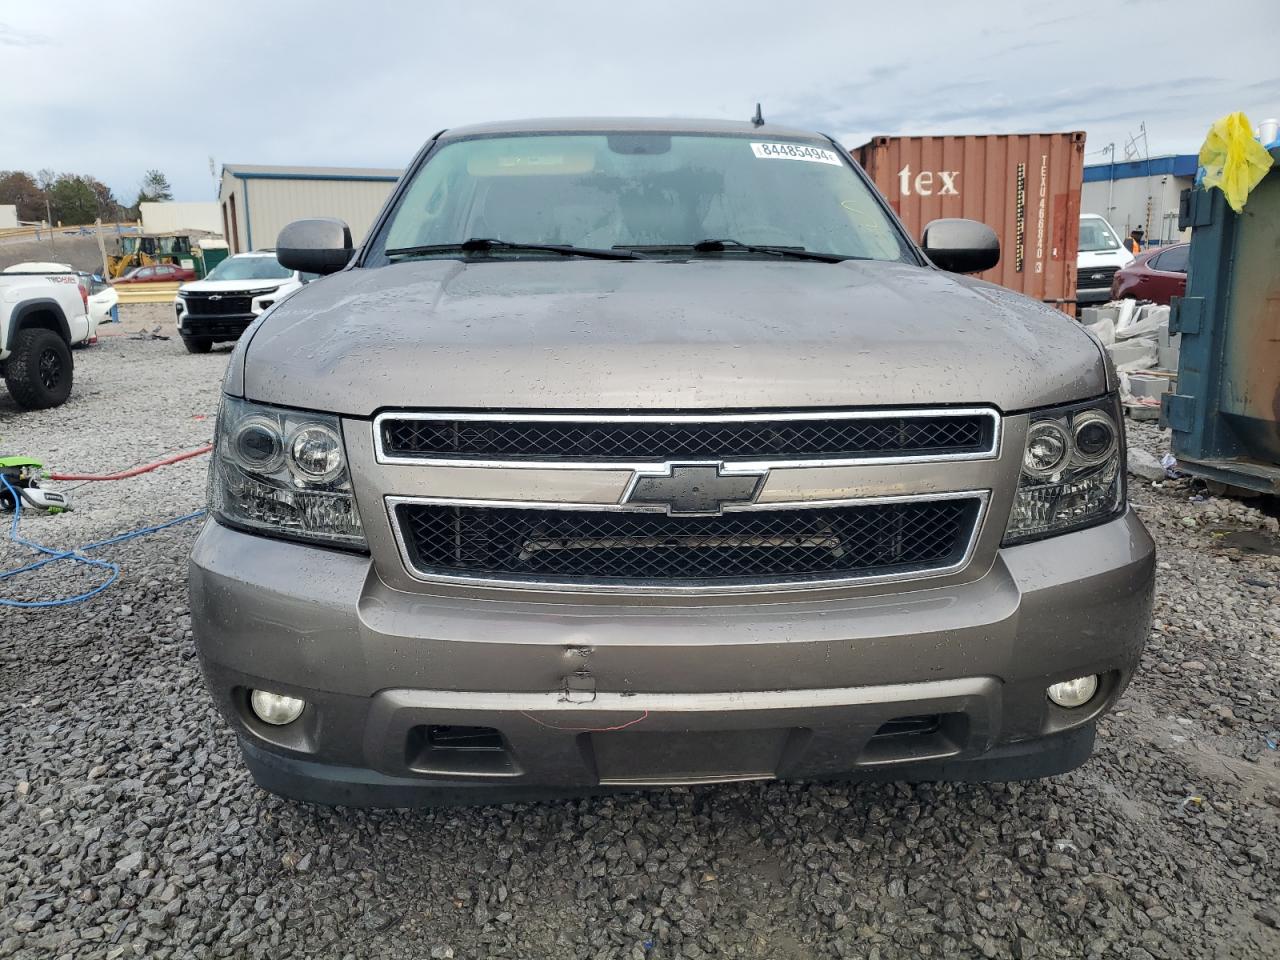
1225,414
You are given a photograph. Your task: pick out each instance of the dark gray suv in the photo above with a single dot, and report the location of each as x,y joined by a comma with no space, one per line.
641,452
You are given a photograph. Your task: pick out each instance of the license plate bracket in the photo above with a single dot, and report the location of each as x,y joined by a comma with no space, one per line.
688,756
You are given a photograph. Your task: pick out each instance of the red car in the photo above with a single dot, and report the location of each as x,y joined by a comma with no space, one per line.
1156,275
159,273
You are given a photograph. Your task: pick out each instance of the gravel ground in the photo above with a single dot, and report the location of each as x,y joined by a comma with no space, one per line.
128,827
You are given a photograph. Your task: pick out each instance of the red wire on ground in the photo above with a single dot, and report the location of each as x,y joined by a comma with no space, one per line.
145,468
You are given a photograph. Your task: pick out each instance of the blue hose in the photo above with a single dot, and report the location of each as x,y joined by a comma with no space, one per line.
75,556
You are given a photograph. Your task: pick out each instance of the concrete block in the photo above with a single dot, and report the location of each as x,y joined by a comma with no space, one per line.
1141,411
1145,465
1125,310
1141,385
1158,312
1135,354
1167,358
1148,321
1104,330
1091,315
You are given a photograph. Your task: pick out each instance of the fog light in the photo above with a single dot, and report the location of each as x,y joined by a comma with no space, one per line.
1074,693
275,708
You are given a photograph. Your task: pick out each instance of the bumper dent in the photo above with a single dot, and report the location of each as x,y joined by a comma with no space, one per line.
912,684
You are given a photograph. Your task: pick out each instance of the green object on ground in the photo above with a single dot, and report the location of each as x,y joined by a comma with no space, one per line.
14,463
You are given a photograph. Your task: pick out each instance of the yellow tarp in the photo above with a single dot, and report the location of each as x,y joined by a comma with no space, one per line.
1233,160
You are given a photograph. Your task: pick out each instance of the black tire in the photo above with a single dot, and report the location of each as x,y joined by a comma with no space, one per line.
39,371
197,344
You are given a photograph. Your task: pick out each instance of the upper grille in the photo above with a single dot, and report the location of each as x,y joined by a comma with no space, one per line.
228,304
1096,276
633,440
637,548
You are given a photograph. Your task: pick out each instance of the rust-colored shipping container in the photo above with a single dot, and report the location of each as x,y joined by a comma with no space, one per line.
1026,187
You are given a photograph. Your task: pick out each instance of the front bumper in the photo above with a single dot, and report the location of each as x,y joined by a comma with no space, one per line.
1087,295
214,327
583,695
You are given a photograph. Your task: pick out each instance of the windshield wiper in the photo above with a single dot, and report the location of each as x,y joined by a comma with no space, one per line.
720,246
800,253
484,244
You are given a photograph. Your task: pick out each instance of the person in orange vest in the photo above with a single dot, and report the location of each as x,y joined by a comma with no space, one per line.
1134,242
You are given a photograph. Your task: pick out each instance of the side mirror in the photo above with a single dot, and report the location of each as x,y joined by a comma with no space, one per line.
961,246
321,245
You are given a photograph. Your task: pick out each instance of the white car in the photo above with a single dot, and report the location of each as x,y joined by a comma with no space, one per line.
103,299
1099,255
222,305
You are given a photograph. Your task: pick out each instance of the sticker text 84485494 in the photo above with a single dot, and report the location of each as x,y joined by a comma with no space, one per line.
794,151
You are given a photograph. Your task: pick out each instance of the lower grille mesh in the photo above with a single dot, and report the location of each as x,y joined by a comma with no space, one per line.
743,547
225,305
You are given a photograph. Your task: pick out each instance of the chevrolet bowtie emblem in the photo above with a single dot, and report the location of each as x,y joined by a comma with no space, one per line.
694,489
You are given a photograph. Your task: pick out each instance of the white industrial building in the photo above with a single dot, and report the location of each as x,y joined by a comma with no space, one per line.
257,201
1140,193
179,217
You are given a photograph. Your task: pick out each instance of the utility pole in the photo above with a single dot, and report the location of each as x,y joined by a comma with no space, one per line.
48,218
102,247
1146,153
1110,149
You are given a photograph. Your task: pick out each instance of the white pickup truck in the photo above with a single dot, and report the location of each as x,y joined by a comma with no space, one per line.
43,313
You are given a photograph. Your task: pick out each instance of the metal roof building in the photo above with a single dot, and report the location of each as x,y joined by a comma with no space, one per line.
257,201
1140,193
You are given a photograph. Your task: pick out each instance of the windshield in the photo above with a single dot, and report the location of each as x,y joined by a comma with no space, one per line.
249,268
1096,235
640,191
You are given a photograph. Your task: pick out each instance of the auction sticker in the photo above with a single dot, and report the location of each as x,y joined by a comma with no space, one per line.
794,151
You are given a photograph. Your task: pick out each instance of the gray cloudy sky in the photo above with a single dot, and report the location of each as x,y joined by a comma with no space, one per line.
111,89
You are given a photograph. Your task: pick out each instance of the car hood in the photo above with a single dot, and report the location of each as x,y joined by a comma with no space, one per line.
247,286
1103,258
660,335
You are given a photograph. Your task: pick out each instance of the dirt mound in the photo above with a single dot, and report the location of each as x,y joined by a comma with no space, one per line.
79,251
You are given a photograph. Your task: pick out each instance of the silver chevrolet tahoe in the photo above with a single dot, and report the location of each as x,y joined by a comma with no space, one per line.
627,453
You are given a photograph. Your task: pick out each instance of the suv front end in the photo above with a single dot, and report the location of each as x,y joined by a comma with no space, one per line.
466,547
216,315
222,305
448,627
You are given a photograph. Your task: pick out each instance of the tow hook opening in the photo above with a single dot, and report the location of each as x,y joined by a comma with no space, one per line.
917,737
456,750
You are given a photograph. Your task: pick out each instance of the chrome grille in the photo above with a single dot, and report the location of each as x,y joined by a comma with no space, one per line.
744,547
789,437
1096,277
219,304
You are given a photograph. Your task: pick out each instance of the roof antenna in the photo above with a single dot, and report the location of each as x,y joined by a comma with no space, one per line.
758,119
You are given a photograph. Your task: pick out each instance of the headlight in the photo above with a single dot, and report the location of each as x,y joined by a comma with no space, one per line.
1072,471
284,473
